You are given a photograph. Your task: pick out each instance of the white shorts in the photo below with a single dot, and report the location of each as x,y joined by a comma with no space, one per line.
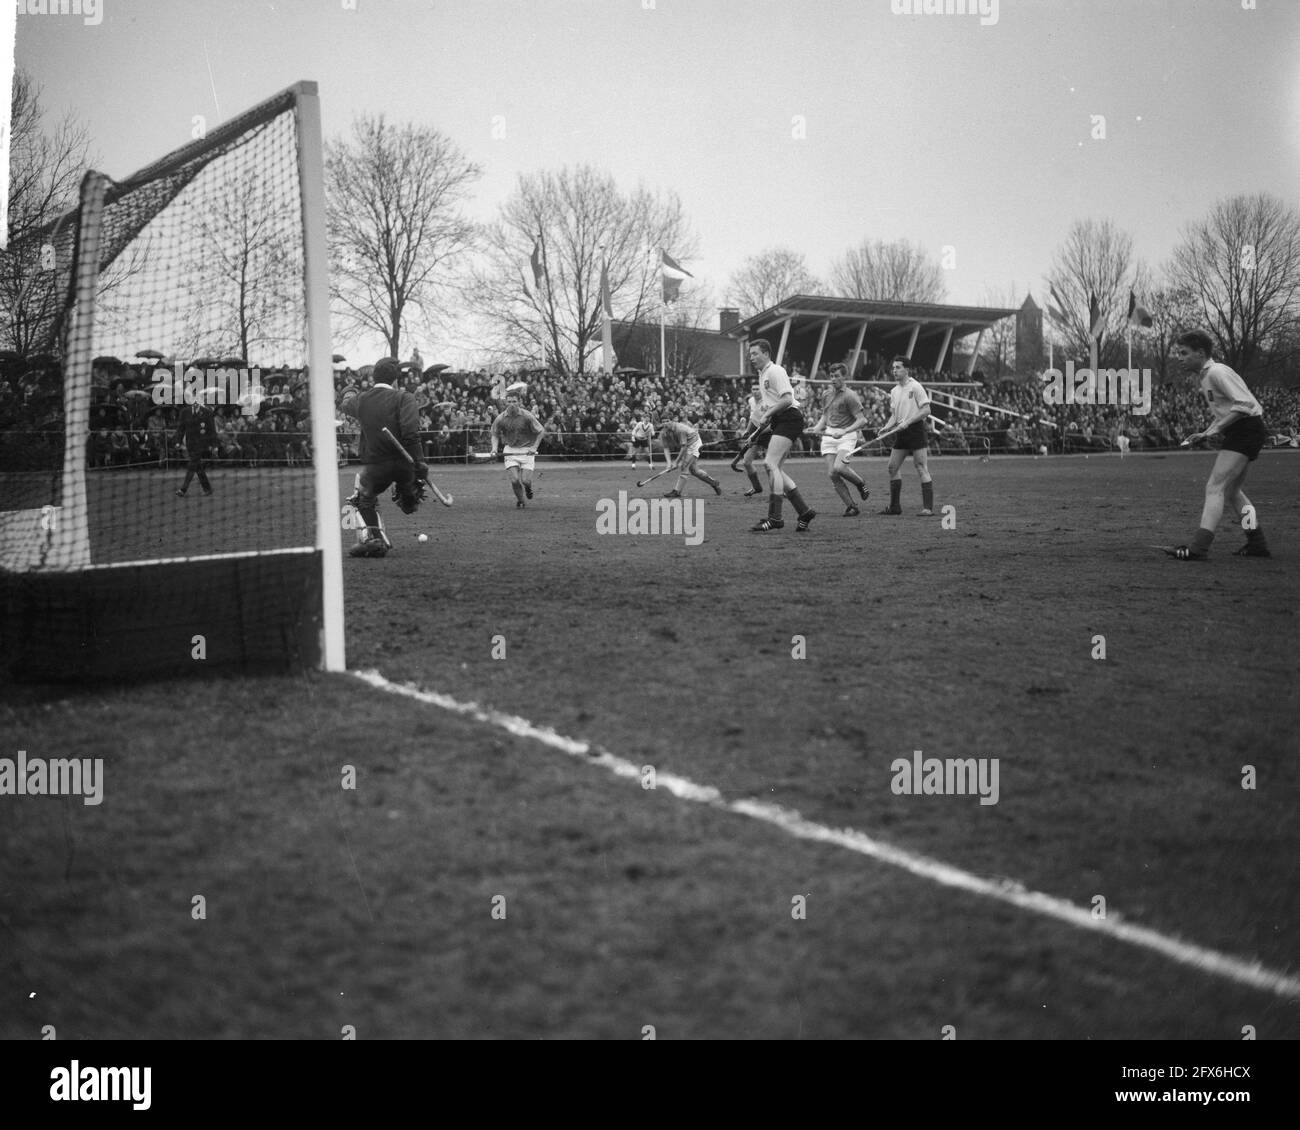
841,445
519,457
692,450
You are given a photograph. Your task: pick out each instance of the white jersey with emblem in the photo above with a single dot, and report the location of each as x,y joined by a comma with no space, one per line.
775,383
907,400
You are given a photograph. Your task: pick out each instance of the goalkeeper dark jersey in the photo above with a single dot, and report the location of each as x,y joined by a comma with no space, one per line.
383,407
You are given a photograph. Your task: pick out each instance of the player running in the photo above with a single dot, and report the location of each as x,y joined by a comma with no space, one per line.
840,427
197,429
684,439
909,406
522,433
787,423
381,406
1239,419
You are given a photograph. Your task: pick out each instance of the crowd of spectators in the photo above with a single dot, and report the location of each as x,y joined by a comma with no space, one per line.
591,416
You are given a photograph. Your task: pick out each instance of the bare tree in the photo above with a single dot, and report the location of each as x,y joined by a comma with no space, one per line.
998,347
45,170
574,219
1096,259
888,272
392,207
243,277
1242,264
765,279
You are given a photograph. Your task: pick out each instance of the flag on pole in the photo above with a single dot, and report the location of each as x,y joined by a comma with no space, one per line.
1138,315
1054,312
606,321
539,272
1095,320
673,273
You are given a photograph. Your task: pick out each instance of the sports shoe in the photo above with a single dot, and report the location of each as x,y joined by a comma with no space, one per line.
1186,553
891,510
528,490
1251,550
805,520
717,489
753,491
768,524
673,494
862,490
519,503
851,512
180,494
925,514
371,547
207,491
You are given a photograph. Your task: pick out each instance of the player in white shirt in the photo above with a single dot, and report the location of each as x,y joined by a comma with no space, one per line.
909,405
684,439
642,441
787,424
748,462
1239,419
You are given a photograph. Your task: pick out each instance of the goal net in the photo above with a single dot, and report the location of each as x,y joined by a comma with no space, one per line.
168,478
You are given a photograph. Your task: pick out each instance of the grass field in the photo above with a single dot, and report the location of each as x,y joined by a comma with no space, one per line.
627,907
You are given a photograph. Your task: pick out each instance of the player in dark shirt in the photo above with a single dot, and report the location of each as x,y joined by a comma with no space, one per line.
379,407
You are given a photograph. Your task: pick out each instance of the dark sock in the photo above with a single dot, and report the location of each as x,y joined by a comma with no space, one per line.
371,515
753,480
774,506
852,476
518,489
1201,540
189,478
895,494
927,496
1255,536
796,500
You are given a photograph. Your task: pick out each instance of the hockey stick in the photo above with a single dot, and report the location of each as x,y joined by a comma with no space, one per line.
445,499
671,467
748,441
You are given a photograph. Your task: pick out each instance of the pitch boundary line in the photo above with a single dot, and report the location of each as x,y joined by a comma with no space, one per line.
1250,973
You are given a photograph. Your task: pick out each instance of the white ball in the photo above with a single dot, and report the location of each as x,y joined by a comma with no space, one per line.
423,537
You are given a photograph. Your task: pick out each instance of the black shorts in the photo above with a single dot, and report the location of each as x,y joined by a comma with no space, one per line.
638,444
378,477
912,438
788,423
1245,437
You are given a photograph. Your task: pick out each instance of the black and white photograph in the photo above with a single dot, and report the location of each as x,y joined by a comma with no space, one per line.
642,520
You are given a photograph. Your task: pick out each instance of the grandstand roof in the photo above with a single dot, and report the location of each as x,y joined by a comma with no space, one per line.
924,331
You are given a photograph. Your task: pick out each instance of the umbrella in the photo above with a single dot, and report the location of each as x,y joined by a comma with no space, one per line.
206,363
138,394
149,353
337,358
233,363
432,369
114,361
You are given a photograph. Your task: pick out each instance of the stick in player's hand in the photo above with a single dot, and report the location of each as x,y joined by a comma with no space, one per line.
445,499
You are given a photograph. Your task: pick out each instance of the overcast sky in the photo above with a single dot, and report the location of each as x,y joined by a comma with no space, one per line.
949,130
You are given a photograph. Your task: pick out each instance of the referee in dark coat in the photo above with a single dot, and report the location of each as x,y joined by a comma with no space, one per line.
197,429
384,406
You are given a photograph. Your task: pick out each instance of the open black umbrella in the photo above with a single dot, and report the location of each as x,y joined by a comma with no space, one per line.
337,358
233,363
151,353
114,362
206,363
432,370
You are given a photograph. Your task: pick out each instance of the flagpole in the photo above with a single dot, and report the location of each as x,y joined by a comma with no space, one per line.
663,365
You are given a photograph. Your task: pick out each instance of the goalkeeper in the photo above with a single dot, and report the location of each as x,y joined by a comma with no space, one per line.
385,406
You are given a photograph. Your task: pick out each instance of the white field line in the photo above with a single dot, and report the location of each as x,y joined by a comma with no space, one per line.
1251,973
